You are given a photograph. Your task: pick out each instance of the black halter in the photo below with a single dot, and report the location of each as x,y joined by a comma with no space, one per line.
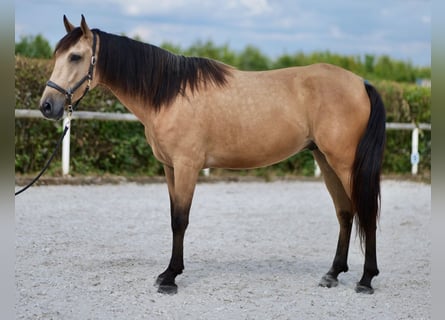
70,91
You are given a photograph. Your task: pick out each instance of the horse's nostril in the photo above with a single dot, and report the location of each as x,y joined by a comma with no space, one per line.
46,108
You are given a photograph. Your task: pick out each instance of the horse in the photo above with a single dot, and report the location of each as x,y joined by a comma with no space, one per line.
201,113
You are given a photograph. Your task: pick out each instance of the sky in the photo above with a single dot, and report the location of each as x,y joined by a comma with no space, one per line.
400,29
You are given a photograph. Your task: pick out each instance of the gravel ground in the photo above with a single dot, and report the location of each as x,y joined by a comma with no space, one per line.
252,251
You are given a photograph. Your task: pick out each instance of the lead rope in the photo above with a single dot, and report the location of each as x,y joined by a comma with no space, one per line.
65,130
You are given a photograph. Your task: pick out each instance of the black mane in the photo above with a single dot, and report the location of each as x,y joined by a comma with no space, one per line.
149,72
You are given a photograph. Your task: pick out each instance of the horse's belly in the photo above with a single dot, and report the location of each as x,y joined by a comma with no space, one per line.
243,163
253,153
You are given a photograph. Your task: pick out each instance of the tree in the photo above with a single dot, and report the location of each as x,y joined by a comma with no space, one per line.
369,63
210,50
33,47
251,58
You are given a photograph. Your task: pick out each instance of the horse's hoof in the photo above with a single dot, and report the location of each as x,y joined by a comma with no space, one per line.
360,288
168,289
328,281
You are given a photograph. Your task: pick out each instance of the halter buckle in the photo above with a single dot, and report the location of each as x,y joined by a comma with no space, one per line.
70,110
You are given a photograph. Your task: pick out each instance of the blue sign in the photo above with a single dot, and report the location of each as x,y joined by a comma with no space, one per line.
415,158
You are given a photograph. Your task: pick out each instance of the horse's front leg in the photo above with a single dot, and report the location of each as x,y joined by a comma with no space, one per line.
181,182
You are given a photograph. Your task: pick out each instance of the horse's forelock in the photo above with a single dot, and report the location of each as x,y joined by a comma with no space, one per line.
68,40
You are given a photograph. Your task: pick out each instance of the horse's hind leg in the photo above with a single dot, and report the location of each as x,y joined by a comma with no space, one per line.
343,207
181,184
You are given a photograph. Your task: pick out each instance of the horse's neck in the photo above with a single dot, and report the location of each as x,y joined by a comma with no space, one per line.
132,103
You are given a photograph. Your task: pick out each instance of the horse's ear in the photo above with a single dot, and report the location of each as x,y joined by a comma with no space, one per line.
68,25
85,29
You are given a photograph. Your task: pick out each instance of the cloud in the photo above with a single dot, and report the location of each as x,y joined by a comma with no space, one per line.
426,19
335,32
254,7
191,7
141,7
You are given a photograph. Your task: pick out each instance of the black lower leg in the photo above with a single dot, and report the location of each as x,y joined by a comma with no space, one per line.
166,280
370,269
340,263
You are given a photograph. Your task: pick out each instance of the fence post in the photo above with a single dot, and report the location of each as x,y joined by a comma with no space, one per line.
415,151
66,148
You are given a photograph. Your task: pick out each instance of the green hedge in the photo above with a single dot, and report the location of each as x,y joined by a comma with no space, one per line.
99,147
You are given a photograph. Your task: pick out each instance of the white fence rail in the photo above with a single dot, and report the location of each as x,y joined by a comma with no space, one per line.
107,116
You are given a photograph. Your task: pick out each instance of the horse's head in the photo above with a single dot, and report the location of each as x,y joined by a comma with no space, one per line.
74,66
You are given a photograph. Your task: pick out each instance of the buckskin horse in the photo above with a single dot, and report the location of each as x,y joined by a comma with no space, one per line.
200,113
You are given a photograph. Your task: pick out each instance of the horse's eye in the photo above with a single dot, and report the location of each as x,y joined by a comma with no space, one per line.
75,57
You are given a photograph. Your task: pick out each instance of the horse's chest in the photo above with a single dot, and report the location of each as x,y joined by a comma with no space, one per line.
159,150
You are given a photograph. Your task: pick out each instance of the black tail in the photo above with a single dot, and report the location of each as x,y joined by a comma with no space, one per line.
367,167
